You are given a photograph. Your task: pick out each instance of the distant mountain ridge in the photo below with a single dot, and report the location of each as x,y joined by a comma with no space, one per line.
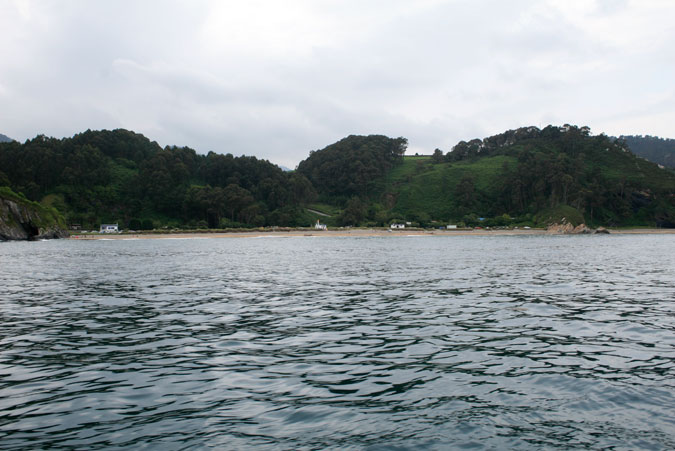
5,138
652,148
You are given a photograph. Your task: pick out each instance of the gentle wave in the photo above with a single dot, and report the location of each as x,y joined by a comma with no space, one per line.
470,342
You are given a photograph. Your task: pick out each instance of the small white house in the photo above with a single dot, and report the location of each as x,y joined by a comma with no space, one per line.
319,226
109,228
452,226
397,226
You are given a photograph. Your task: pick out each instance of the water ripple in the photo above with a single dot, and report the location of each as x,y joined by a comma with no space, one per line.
356,343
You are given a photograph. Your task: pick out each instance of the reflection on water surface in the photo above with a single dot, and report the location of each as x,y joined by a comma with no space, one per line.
431,342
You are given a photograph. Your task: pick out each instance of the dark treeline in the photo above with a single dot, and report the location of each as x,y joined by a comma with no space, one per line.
349,172
652,148
519,176
109,176
596,175
351,166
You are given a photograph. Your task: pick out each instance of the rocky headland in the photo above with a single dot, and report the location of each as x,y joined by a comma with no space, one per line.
21,219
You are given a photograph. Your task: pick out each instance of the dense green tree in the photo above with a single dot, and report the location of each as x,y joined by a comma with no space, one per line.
121,174
465,194
544,169
437,156
134,224
4,180
236,200
352,165
205,203
354,213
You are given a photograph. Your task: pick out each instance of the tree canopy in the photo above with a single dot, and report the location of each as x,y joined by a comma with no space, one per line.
516,176
350,166
118,175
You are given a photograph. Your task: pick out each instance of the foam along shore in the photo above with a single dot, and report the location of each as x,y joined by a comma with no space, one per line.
278,233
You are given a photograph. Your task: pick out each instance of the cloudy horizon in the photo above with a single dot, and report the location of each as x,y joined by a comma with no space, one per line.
279,79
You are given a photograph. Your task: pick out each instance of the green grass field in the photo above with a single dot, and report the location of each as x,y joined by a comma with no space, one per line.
421,186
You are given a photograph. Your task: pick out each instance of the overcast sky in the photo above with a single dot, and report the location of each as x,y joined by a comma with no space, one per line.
276,79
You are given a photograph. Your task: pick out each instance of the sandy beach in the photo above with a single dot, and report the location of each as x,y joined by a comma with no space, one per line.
341,233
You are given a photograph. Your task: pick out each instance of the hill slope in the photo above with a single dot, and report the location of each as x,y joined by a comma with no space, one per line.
652,148
524,176
350,166
122,177
528,176
527,172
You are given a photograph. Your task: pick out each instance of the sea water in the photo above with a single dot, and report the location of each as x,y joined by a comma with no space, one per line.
442,342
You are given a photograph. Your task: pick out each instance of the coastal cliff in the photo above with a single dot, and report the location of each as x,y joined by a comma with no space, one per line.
21,219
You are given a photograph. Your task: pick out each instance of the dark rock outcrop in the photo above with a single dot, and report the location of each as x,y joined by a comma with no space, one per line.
26,221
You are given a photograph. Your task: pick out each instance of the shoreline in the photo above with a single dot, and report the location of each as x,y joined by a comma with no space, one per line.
344,233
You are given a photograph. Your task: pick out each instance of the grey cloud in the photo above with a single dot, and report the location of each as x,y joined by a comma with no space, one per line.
434,71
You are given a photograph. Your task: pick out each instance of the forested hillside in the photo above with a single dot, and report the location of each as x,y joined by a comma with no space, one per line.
530,175
652,148
351,166
526,176
120,176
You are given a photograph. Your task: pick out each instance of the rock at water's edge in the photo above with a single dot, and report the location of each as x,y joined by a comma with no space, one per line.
23,221
581,229
568,229
564,228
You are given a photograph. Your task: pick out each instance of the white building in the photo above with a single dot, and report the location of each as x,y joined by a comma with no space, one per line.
397,226
109,228
319,226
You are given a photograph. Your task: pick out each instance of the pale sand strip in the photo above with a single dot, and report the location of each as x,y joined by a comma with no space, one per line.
344,233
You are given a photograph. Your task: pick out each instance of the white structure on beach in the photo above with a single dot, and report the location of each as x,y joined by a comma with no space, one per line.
319,226
109,228
397,226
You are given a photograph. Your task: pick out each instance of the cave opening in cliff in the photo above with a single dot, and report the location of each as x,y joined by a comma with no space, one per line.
31,230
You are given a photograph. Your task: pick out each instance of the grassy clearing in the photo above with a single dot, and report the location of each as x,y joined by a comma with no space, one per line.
330,210
421,186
